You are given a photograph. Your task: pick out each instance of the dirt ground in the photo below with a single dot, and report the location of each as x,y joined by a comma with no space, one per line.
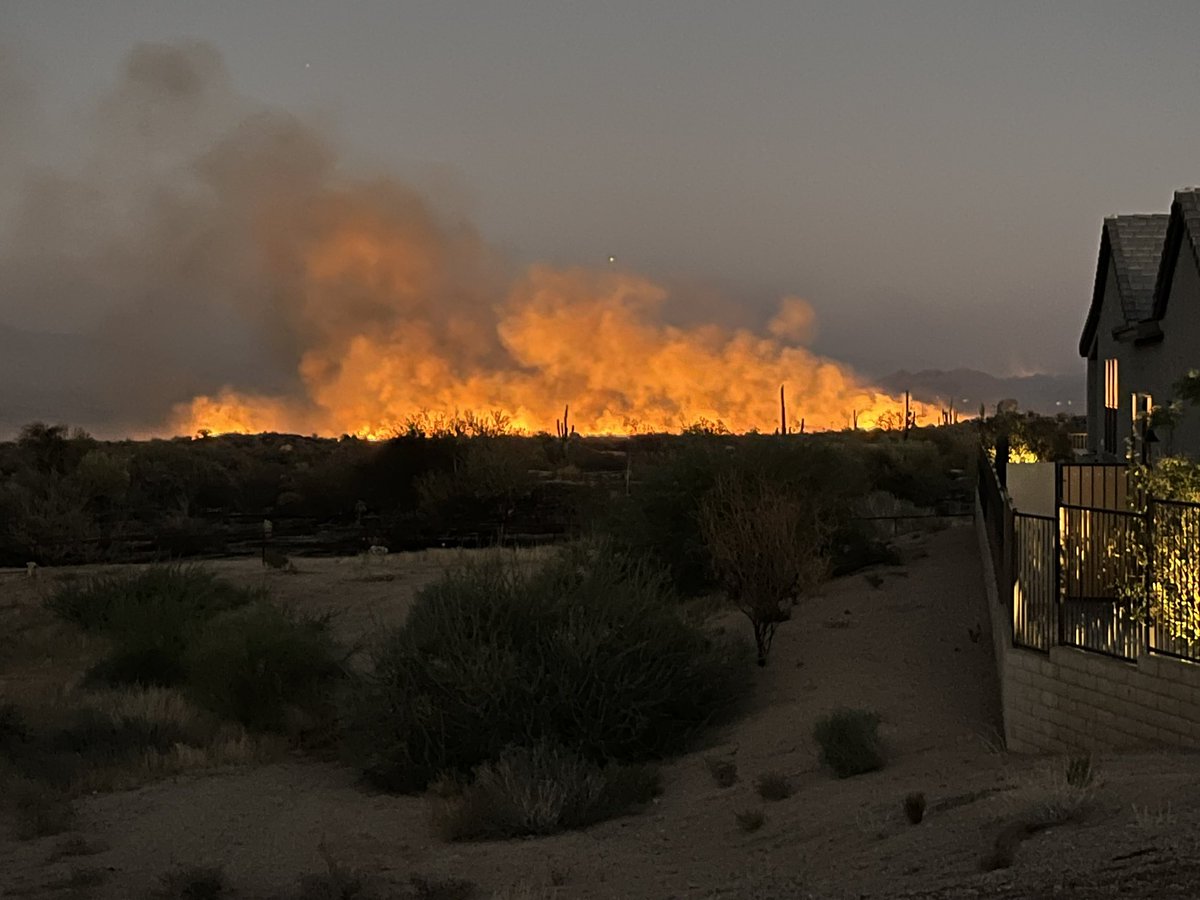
907,648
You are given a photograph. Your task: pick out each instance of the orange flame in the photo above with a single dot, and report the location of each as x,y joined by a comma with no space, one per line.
398,316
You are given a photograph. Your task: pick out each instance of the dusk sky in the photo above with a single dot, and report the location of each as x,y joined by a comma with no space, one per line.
930,176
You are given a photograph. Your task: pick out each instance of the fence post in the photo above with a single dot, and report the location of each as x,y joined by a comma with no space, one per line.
1148,575
1060,589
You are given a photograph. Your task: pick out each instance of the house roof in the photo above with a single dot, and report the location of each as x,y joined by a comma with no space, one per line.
1184,223
1134,244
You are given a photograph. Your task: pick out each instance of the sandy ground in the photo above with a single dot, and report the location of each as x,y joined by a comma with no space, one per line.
903,648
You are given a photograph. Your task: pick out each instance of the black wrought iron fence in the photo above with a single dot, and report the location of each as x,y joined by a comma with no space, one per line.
1099,576
1034,581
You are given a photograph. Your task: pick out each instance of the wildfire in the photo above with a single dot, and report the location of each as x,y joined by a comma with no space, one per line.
588,339
392,313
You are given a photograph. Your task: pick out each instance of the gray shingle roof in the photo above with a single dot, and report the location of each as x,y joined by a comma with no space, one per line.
1137,246
1134,245
1184,225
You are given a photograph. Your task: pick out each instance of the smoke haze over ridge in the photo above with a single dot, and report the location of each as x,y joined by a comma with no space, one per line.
225,270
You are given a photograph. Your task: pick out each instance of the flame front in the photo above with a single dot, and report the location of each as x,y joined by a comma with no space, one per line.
395,315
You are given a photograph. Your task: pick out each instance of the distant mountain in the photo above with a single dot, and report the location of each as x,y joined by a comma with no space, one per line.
1047,394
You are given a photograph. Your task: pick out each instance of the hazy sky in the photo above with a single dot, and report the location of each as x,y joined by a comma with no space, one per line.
931,176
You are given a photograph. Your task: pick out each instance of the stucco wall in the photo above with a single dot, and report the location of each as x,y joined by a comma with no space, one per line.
1130,368
1161,365
1072,699
1031,487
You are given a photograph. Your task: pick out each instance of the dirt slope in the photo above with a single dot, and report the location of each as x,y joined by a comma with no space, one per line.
902,648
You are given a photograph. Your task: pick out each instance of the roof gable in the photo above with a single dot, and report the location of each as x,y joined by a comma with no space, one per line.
1134,246
1184,224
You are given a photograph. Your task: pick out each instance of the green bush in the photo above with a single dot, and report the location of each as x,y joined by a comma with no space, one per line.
159,600
142,664
261,664
151,615
849,741
588,651
540,790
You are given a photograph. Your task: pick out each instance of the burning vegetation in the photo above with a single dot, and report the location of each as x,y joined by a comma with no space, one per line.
236,276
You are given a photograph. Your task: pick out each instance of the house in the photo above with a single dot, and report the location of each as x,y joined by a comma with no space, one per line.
1143,327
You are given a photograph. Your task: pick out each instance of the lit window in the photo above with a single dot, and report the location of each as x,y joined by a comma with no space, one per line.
1110,384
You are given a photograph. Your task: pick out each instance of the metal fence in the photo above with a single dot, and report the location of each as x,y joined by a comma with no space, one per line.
1103,569
1034,581
1100,576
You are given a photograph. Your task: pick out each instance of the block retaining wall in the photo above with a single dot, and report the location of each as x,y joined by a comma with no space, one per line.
1073,699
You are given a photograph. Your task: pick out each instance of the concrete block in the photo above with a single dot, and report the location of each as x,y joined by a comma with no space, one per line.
1182,691
1169,705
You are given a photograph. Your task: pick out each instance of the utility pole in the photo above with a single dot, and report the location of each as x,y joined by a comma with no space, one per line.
782,412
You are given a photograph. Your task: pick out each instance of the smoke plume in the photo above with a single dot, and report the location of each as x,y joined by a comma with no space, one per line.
232,275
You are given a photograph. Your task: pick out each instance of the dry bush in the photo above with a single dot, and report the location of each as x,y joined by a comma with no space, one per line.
1153,819
773,786
1055,796
121,738
538,790
767,547
914,807
192,883
750,819
850,742
723,771
337,882
1080,771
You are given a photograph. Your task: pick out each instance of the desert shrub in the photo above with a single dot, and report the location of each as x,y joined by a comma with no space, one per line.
750,819
768,548
260,664
723,771
540,790
161,600
151,616
773,786
139,663
587,650
659,519
912,470
1080,771
849,741
1053,796
853,547
63,747
914,807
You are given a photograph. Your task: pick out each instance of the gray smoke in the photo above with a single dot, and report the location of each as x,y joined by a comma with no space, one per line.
171,261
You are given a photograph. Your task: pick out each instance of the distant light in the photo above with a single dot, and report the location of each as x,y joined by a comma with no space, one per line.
612,259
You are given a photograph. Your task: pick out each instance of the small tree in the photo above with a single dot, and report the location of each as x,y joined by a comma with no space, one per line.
767,547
